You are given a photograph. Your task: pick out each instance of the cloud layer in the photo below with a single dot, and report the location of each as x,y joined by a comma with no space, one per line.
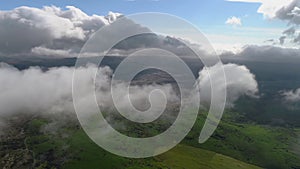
55,32
267,54
51,91
47,31
37,92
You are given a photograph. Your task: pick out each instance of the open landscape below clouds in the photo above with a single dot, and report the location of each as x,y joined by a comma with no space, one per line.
260,127
247,129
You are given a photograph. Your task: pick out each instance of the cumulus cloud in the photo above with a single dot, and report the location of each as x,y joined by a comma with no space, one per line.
268,8
25,29
286,10
292,95
239,81
47,93
234,21
37,92
290,12
52,31
269,64
47,90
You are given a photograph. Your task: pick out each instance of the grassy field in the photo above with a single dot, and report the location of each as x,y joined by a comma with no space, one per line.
235,144
194,158
265,146
70,148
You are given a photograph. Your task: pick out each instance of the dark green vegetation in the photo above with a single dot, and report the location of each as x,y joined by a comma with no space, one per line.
270,108
71,148
261,145
234,141
260,131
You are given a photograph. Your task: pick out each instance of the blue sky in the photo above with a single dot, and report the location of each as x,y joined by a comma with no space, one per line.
208,15
206,12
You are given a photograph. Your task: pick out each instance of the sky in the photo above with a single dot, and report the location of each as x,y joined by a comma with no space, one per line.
227,24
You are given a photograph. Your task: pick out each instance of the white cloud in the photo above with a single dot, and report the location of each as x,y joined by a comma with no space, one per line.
286,10
37,92
52,31
26,29
234,21
291,96
42,51
268,7
239,81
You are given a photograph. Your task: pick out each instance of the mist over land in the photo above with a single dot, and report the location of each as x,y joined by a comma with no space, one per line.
38,123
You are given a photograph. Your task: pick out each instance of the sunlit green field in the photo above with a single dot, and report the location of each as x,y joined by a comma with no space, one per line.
79,152
233,145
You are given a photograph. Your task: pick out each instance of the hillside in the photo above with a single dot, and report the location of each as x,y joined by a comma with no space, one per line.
69,147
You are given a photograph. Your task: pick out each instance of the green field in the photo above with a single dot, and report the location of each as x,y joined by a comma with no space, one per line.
234,144
76,150
261,145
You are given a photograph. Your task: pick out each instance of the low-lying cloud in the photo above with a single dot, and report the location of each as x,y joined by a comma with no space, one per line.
239,81
270,54
292,95
49,93
37,91
34,92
